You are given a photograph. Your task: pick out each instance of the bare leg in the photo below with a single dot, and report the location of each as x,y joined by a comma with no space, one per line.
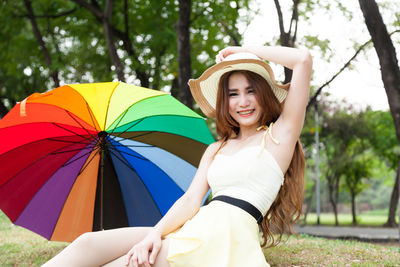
98,248
161,260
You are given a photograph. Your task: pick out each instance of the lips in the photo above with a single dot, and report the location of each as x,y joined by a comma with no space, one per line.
246,112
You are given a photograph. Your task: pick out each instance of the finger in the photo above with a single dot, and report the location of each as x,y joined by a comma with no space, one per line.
143,257
154,252
128,257
134,261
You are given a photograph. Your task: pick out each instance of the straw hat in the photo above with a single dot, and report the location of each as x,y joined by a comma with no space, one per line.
204,89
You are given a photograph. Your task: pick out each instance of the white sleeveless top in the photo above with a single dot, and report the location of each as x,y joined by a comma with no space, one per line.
249,174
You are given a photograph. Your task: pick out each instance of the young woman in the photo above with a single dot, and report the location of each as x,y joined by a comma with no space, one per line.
255,171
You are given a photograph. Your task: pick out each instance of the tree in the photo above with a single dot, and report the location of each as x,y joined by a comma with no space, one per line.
102,40
345,138
356,170
390,76
185,67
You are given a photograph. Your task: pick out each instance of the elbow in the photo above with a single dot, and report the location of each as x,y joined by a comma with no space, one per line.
306,58
190,200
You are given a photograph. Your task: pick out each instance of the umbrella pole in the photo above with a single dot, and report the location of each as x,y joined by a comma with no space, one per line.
101,186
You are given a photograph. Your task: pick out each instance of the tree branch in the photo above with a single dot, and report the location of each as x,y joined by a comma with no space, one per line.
91,7
280,16
42,45
314,97
65,13
126,17
295,18
108,33
124,36
231,33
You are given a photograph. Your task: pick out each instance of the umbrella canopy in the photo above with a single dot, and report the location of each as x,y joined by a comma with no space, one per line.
86,157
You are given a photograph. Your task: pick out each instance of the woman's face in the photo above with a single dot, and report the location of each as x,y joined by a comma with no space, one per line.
243,104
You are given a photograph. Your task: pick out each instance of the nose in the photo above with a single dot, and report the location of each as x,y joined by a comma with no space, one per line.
243,100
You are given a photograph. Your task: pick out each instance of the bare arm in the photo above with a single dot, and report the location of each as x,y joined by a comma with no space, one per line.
183,209
188,205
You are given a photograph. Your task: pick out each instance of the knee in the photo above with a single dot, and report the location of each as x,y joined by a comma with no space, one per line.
85,241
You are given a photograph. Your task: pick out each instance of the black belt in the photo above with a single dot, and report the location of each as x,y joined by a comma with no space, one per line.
244,205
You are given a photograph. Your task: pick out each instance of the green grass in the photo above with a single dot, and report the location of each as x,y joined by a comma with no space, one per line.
366,219
313,251
20,247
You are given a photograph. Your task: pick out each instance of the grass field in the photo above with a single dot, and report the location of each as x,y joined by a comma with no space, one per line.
366,219
20,247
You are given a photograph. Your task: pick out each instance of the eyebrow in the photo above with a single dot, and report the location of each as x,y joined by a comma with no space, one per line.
234,89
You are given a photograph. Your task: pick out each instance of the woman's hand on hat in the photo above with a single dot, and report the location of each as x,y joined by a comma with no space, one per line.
228,51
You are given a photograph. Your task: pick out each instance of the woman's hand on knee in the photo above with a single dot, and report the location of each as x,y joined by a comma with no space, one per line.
139,256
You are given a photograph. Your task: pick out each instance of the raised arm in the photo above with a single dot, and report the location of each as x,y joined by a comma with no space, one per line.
300,62
182,210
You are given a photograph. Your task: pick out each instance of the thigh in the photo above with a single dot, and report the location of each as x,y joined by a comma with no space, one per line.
97,248
111,244
161,260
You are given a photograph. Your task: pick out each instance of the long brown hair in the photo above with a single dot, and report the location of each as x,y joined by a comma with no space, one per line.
287,207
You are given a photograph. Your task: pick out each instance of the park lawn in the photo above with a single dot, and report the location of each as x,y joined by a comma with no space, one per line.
20,247
313,251
368,219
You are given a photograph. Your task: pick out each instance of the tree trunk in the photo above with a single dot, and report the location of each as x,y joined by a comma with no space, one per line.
309,202
3,109
184,62
353,207
391,222
42,45
389,68
332,200
288,38
112,50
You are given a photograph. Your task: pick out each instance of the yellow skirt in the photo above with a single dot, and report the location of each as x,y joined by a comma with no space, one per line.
219,235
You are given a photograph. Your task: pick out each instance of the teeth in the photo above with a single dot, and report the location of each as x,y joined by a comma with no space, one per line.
245,112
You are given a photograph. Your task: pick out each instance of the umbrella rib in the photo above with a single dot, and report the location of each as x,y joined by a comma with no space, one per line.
35,161
133,125
70,114
72,150
96,150
108,106
134,145
142,158
138,135
59,126
66,141
120,119
91,115
123,161
70,162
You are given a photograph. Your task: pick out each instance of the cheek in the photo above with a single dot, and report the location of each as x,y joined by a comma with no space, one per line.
231,105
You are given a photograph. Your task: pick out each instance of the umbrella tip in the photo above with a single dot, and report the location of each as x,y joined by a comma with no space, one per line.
102,134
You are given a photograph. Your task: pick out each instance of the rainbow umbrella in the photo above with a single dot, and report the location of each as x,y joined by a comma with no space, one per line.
86,157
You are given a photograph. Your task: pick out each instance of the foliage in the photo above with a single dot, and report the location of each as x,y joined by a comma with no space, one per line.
144,34
353,146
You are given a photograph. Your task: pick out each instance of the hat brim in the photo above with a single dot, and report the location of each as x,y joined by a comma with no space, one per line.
204,89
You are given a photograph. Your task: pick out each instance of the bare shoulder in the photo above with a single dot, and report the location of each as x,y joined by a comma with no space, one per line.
212,148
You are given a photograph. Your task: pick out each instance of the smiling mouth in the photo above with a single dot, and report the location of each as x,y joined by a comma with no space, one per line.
246,113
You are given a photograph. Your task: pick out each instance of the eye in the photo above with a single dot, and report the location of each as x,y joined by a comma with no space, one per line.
250,91
232,94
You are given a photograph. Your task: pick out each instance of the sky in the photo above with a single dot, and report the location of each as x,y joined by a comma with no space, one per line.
362,84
